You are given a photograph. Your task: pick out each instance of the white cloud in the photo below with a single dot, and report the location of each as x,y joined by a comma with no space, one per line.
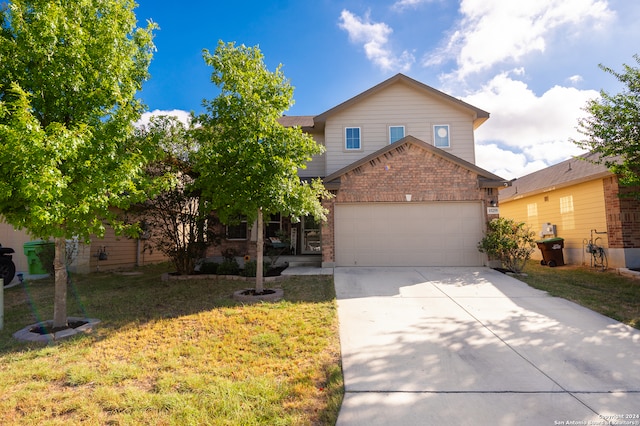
528,130
575,79
535,128
492,32
504,163
374,36
181,115
408,4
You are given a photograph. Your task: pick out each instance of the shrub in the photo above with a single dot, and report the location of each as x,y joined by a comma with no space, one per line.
228,267
509,242
229,253
251,269
209,268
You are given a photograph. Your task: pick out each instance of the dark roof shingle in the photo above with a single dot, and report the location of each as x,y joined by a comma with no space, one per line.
569,172
296,120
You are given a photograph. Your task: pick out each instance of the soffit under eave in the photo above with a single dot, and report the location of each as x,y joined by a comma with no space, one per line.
479,121
493,183
333,185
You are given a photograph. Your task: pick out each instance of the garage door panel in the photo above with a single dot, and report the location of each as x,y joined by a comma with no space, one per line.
411,234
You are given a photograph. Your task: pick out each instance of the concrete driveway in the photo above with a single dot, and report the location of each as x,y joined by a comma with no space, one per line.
471,346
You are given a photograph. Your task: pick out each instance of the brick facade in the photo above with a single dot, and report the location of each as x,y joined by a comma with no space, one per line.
406,169
242,247
388,177
623,214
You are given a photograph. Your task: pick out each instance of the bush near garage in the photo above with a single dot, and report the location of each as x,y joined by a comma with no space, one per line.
509,242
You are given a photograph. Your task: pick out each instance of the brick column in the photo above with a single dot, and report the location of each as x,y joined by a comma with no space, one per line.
328,234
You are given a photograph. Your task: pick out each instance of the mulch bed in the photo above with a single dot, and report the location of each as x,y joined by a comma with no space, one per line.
47,327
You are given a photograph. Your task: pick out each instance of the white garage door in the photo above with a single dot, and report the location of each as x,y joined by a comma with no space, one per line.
408,234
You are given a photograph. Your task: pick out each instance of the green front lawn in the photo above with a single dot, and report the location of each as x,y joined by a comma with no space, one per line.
608,293
174,353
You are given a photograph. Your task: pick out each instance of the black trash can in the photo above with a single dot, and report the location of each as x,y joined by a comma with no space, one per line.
551,249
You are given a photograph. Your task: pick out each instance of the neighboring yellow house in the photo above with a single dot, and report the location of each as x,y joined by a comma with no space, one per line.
578,197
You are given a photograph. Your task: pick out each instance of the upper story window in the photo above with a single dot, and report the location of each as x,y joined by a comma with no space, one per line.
352,140
396,133
441,137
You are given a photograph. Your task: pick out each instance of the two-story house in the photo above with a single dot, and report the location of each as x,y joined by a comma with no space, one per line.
400,160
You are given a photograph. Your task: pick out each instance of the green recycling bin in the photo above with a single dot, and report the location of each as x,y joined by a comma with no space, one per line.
32,249
551,249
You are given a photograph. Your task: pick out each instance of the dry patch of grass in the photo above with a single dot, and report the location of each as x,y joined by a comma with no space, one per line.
177,352
608,293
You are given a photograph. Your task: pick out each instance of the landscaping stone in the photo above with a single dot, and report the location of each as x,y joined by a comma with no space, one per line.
31,333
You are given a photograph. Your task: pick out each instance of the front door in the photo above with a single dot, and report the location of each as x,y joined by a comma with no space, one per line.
310,235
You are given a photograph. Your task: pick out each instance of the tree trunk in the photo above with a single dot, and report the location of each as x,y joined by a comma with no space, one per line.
60,275
260,255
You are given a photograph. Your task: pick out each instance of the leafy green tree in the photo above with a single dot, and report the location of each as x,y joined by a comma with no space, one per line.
612,128
509,242
70,71
174,220
247,161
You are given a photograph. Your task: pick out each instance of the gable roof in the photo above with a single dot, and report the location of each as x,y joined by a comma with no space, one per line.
479,116
569,172
318,121
487,179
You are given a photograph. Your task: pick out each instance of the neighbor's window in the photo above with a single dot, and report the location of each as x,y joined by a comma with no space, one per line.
238,230
352,138
396,133
567,212
273,225
441,137
566,204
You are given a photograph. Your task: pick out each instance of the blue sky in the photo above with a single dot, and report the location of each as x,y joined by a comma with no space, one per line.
532,64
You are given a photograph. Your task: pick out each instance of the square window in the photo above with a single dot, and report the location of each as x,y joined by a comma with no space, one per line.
237,230
566,204
441,137
395,133
352,138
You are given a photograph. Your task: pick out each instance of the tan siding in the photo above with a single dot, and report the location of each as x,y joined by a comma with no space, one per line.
396,105
15,239
149,255
316,167
121,252
574,226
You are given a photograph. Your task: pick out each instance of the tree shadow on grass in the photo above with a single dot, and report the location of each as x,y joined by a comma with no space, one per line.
120,299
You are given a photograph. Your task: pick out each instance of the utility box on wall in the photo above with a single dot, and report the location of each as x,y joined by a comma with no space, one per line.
548,230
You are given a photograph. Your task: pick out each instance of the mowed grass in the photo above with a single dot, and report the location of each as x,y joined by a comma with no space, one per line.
608,293
174,353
